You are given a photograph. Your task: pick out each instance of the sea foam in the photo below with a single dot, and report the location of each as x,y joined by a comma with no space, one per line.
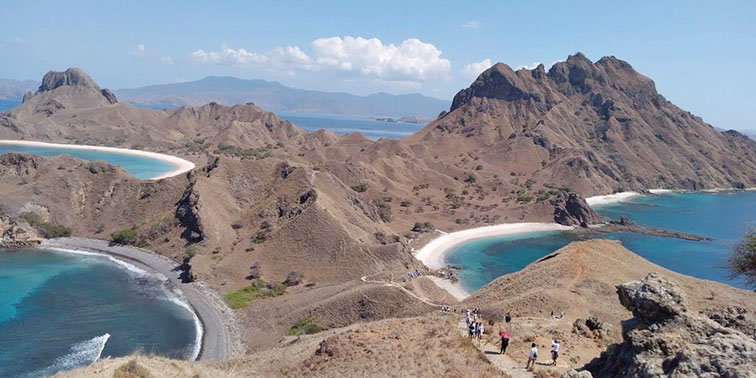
81,354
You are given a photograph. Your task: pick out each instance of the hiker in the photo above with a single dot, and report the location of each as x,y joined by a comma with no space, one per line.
481,329
471,329
532,356
555,350
504,342
508,318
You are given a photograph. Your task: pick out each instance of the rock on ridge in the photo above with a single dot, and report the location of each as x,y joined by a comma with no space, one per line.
72,77
571,210
664,339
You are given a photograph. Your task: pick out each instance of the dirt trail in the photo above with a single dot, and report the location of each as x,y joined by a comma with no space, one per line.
400,287
503,362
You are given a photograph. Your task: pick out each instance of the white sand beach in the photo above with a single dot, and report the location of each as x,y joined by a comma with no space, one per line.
611,198
181,165
662,191
433,253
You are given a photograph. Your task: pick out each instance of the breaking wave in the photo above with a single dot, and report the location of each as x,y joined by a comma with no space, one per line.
81,354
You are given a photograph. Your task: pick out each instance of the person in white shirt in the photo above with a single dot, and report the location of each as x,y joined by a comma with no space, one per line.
532,356
554,350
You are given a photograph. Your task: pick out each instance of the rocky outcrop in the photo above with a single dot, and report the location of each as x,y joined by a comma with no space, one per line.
187,212
571,210
664,339
14,234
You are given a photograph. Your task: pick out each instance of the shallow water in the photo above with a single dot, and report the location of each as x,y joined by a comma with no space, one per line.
59,311
721,216
138,166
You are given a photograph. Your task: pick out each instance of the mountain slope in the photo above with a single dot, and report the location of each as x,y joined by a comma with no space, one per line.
597,127
273,96
10,88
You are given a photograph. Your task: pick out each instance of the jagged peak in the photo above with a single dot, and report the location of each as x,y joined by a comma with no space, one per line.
73,76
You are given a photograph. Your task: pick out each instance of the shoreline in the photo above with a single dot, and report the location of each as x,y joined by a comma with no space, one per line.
433,253
180,165
217,327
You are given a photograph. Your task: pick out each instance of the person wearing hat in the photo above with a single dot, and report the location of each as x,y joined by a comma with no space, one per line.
554,350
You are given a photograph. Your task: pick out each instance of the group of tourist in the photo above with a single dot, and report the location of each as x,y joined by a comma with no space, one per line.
414,274
476,329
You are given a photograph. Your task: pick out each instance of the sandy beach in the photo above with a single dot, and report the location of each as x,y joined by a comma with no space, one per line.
180,165
219,331
433,253
610,198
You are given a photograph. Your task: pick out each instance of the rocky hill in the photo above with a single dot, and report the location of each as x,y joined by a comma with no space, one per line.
666,339
580,279
596,127
273,96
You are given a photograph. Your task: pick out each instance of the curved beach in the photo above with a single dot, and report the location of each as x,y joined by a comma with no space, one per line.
218,328
180,165
433,253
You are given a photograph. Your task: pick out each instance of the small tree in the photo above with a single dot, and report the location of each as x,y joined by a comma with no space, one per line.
128,236
743,258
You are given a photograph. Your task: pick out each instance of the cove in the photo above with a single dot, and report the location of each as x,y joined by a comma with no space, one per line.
722,216
60,311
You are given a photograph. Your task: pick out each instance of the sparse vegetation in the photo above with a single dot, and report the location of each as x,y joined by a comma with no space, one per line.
384,210
361,187
423,227
259,237
305,326
471,178
253,153
742,261
127,236
524,198
46,229
258,289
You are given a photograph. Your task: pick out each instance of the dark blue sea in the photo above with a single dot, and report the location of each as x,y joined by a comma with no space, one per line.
722,216
59,311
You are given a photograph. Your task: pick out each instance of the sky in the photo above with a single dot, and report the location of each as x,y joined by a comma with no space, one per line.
700,54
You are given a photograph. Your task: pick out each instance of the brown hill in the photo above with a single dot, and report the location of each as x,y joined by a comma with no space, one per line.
580,280
596,127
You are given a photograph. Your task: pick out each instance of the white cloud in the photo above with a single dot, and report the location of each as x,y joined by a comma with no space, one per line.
471,24
472,70
15,41
412,60
531,66
141,53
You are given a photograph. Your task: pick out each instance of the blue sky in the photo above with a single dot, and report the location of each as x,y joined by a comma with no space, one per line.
700,54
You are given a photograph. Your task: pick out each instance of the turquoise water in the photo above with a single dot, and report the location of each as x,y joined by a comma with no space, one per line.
57,310
722,216
343,124
138,166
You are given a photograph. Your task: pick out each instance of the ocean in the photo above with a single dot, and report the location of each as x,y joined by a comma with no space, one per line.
138,166
59,311
344,124
722,216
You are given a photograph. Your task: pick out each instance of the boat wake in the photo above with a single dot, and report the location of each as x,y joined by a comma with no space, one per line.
81,354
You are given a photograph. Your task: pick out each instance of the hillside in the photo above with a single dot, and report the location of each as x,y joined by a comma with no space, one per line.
580,280
273,96
432,345
596,127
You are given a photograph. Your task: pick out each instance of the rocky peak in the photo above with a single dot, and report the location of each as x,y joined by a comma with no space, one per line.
498,82
71,77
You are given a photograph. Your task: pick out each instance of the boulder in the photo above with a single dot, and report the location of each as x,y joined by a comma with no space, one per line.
664,339
571,210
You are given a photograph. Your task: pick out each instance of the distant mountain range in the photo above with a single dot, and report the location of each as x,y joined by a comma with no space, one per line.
274,96
10,88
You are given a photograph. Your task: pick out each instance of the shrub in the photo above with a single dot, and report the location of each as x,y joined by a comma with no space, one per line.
305,326
258,289
742,261
471,178
53,230
361,187
405,203
524,198
259,237
423,227
128,236
189,252
384,210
